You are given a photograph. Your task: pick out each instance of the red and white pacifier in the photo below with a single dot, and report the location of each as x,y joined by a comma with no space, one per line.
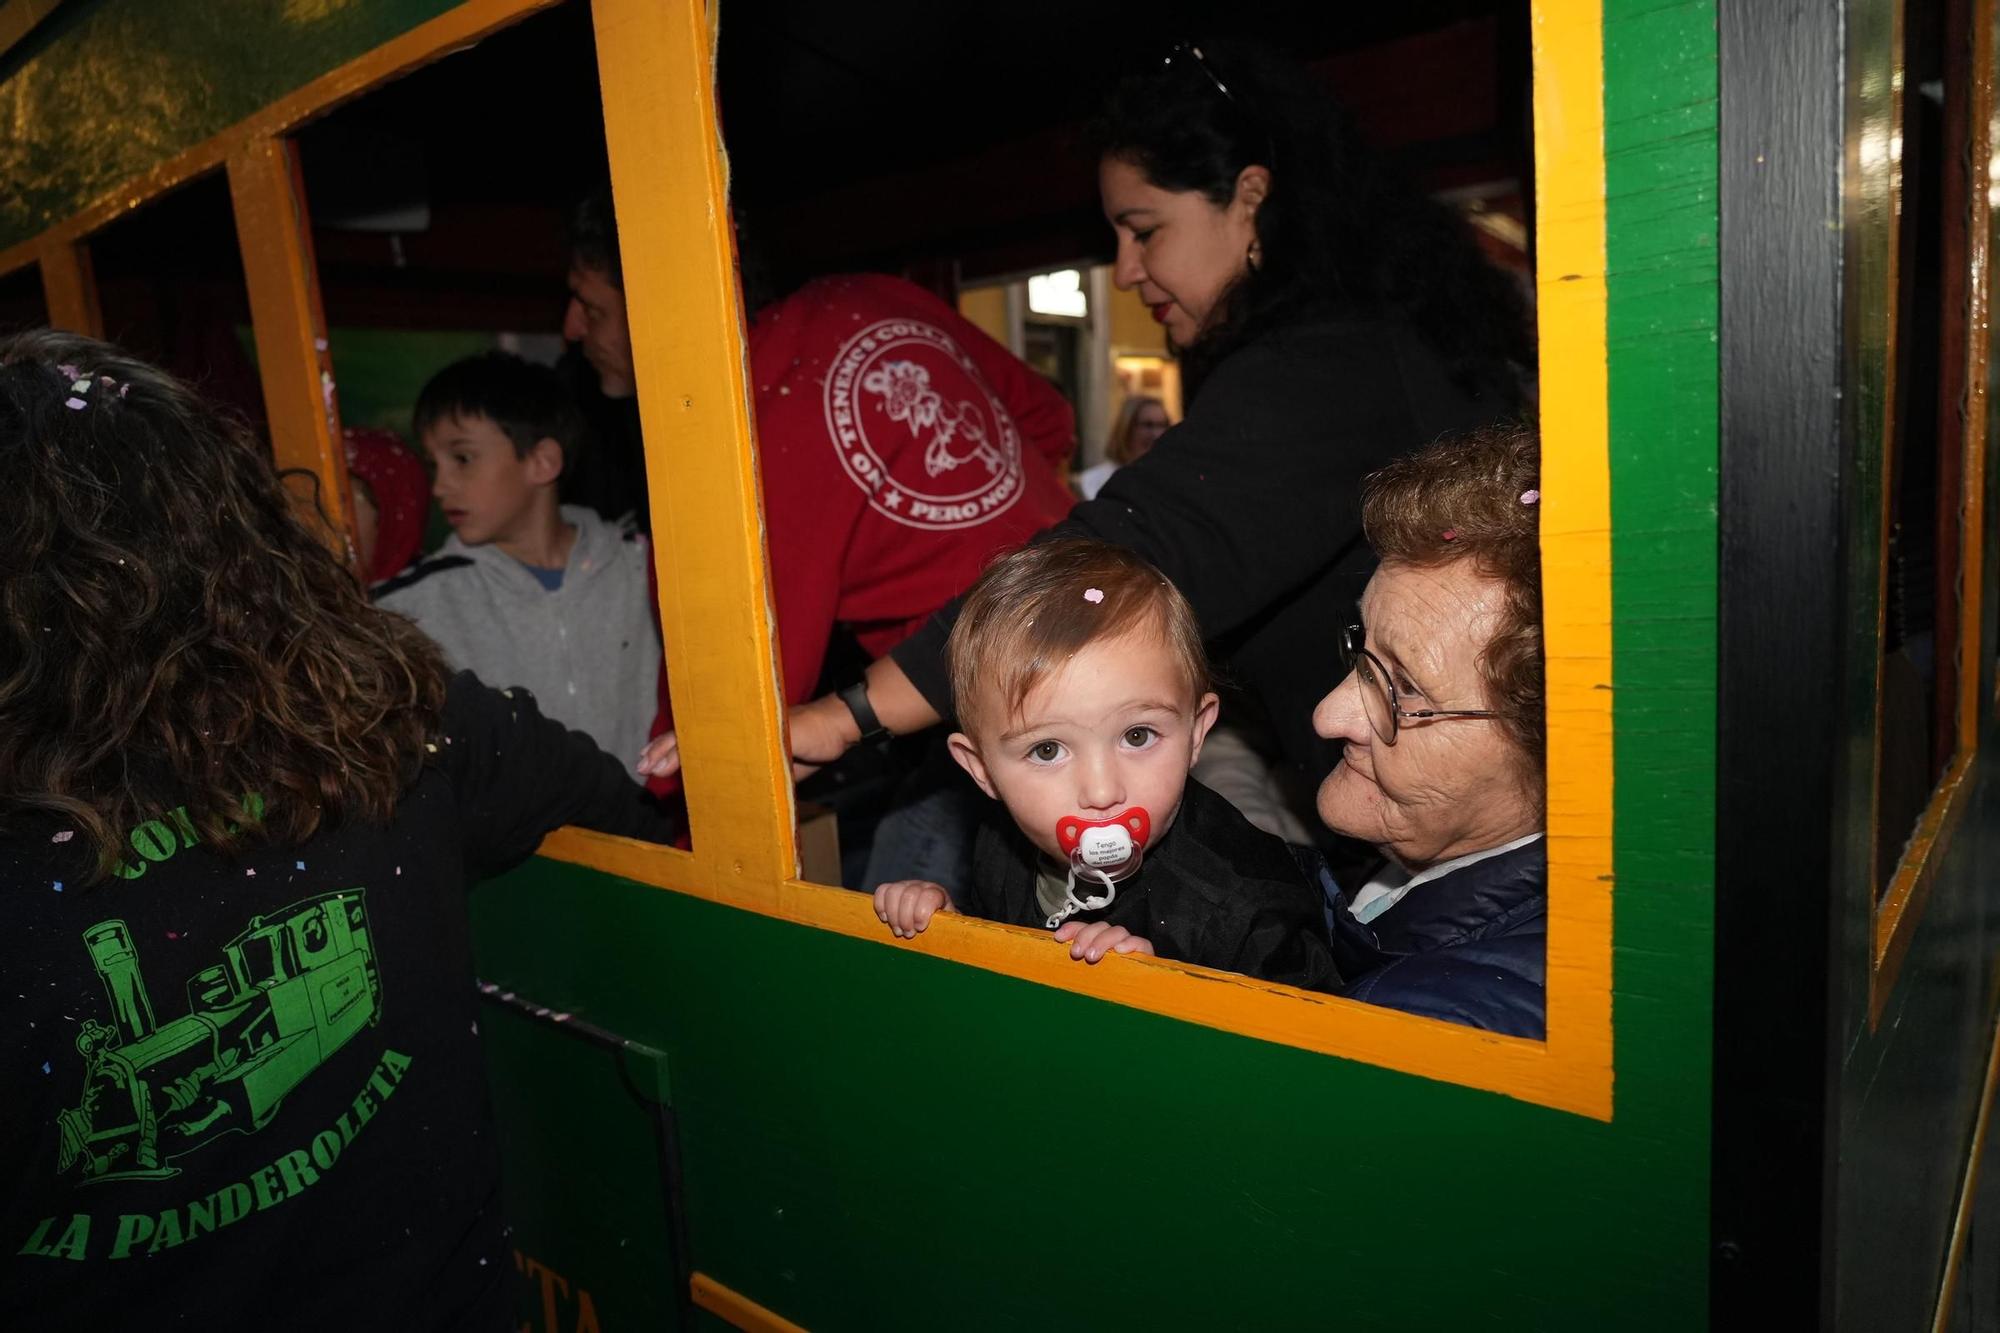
1110,848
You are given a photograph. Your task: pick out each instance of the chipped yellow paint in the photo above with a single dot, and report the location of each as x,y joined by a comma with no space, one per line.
275,233
670,185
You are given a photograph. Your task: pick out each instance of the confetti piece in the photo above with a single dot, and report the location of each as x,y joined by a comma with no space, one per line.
1451,534
69,372
1093,595
298,865
58,886
1529,497
251,873
75,404
64,836
45,1066
172,936
81,386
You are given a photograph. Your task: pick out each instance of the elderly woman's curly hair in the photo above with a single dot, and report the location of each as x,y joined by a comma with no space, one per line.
1477,497
171,633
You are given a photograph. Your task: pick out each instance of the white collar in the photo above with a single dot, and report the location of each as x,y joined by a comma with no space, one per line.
1390,883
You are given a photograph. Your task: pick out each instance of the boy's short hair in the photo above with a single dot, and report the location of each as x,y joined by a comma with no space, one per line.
528,402
1032,611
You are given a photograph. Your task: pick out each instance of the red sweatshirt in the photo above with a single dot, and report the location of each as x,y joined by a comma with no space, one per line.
900,449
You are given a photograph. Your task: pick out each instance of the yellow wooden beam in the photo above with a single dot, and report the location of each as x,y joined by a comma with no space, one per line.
1572,305
18,18
275,235
69,288
655,65
736,1309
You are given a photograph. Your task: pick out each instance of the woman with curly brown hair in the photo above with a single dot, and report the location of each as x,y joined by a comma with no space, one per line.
224,775
1443,738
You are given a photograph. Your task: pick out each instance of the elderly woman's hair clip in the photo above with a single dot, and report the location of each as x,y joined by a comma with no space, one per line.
1530,497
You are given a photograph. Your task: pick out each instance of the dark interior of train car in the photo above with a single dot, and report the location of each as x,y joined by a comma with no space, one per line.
439,201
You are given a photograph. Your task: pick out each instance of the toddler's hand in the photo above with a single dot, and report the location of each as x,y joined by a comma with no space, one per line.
1089,942
907,905
662,756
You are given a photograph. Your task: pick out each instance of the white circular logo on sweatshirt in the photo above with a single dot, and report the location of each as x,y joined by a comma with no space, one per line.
918,429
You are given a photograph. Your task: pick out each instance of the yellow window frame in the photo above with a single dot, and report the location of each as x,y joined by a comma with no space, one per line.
670,181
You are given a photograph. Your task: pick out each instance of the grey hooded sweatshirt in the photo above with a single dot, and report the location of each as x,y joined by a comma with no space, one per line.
588,650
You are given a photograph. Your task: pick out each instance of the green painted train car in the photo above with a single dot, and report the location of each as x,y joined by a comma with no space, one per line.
1760,233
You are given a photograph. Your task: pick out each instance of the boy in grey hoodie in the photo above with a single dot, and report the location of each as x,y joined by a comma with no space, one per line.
528,592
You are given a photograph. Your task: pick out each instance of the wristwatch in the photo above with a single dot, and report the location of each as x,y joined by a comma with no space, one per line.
855,696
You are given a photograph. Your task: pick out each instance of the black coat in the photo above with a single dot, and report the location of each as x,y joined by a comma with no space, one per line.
1216,891
1470,947
1252,506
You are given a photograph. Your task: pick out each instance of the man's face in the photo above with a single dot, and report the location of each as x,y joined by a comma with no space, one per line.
595,317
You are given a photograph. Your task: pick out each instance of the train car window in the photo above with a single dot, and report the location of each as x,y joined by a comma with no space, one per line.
22,305
1932,457
494,460
950,212
171,287
422,222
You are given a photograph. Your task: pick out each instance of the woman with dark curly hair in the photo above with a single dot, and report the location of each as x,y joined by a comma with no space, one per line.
1329,318
225,777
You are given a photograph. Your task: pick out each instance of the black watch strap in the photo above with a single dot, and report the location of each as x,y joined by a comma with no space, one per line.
855,696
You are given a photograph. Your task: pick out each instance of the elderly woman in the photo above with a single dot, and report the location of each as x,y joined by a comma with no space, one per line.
1441,721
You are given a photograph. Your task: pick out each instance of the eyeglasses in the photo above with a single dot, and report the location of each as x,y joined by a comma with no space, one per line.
1378,692
1193,52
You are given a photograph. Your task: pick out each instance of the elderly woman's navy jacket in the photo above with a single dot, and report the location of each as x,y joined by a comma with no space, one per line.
1470,947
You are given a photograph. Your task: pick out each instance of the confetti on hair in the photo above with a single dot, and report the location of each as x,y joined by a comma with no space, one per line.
58,885
69,372
1451,534
1093,595
82,385
64,836
75,404
1530,497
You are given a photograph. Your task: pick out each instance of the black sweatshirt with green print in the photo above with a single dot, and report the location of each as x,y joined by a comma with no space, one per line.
247,1092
